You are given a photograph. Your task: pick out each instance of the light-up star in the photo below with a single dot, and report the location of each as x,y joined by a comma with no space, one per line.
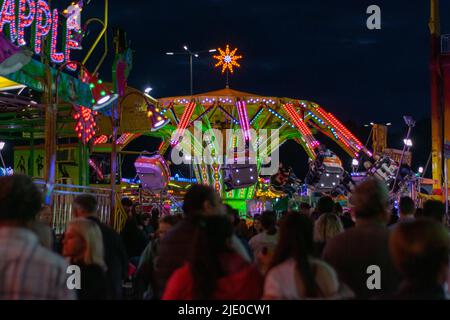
227,59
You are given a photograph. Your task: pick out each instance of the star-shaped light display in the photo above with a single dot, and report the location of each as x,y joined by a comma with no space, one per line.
227,59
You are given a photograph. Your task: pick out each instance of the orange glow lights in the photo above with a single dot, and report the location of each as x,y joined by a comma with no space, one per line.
227,59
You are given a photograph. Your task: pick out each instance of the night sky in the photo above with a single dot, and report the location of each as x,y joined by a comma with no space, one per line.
316,50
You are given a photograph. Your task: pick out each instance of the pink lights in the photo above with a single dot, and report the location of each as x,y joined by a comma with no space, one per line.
243,119
350,141
25,19
85,127
185,118
43,24
17,15
56,57
124,139
8,17
311,142
101,140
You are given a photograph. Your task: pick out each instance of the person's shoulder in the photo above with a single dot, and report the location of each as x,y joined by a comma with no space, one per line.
108,231
46,258
323,266
282,269
339,242
256,238
343,236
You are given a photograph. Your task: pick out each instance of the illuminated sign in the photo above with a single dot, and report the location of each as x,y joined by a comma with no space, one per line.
18,15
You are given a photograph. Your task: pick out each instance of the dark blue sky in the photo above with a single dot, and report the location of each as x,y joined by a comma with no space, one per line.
316,50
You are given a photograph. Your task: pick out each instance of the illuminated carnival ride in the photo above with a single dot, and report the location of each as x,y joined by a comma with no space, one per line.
106,117
241,113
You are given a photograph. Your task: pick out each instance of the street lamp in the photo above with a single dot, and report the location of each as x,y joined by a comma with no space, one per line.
191,54
355,165
371,124
411,123
408,142
148,90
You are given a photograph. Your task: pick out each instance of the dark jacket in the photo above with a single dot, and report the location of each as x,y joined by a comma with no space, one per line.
134,238
351,254
411,291
173,251
116,259
318,248
144,280
347,221
94,285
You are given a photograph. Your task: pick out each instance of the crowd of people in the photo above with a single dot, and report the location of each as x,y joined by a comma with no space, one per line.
210,252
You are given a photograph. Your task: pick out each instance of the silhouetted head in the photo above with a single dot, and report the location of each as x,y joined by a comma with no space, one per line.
20,199
84,205
202,200
325,205
370,200
420,251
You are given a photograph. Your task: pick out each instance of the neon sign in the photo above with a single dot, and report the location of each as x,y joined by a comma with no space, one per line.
17,15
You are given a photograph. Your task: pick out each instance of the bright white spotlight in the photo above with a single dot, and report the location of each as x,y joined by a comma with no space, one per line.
2,145
185,48
148,90
355,162
420,170
105,101
408,142
212,50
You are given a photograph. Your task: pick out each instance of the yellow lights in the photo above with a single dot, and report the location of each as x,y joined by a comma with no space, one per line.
227,59
149,114
267,194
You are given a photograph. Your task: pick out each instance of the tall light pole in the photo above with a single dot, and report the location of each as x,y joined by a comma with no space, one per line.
407,145
191,55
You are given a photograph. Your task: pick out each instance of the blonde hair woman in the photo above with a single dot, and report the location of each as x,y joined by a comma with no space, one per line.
326,227
83,246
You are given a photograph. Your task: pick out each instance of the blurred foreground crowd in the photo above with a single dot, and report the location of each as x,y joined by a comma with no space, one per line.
209,252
